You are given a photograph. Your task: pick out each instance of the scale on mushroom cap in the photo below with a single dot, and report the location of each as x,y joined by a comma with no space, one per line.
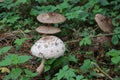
48,46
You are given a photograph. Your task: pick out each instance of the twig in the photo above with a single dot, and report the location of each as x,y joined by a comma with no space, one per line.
105,35
77,40
102,71
11,35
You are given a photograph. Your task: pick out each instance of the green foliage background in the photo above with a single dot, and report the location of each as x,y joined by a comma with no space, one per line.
21,15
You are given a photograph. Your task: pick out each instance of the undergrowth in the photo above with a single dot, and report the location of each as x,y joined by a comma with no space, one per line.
80,62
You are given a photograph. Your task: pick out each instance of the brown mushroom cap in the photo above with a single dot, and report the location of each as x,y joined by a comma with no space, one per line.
51,17
1,0
47,30
104,23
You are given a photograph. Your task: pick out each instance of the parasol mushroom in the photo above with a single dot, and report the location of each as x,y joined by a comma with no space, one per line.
104,23
47,30
51,17
47,47
1,0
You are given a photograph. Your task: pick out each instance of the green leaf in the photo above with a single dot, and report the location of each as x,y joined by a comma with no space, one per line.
16,71
24,78
65,73
47,68
71,74
30,73
60,61
117,30
5,49
50,61
116,59
72,58
5,62
41,1
85,41
14,74
86,65
19,41
116,78
23,58
113,53
61,74
79,77
21,1
89,52
63,6
14,59
104,2
115,40
13,19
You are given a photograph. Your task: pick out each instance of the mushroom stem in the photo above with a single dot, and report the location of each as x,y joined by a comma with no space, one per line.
41,66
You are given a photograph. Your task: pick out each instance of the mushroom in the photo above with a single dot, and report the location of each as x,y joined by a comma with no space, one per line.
51,17
104,23
47,47
1,0
47,30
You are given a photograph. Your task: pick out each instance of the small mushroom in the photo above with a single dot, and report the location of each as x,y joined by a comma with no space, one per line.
47,30
51,17
104,23
47,47
1,0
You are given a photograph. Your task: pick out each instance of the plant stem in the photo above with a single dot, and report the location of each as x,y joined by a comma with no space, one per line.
110,34
77,40
41,66
102,71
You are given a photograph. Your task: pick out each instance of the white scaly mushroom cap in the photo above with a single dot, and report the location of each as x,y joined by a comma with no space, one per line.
48,47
